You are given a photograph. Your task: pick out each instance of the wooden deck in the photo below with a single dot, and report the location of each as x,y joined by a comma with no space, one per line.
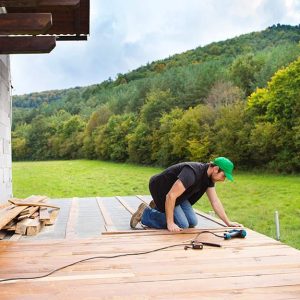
252,268
90,217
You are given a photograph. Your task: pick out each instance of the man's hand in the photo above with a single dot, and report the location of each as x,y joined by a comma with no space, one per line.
173,227
234,224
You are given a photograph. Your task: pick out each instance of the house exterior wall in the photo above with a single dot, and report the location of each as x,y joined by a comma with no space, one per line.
5,130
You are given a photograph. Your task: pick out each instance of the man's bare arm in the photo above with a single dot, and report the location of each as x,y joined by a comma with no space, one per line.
218,207
176,190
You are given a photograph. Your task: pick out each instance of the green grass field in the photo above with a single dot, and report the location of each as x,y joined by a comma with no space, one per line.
251,199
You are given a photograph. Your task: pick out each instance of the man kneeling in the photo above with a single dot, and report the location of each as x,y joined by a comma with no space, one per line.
177,189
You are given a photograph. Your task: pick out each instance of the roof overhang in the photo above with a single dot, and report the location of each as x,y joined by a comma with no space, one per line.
57,20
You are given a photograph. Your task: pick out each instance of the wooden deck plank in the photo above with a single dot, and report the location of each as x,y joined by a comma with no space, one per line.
73,215
237,269
209,217
126,205
90,222
119,215
109,225
143,198
228,252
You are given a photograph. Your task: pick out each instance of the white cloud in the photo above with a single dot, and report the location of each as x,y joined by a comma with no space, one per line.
127,34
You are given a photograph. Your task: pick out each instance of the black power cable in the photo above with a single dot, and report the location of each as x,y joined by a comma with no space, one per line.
207,231
115,256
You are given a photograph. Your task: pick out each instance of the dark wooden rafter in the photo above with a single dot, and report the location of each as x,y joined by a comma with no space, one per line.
21,23
67,20
59,3
58,19
39,3
18,3
27,45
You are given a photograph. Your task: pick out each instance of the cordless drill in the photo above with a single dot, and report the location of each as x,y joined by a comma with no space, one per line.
235,233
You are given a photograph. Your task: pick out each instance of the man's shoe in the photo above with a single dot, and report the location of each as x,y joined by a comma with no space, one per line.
152,204
137,216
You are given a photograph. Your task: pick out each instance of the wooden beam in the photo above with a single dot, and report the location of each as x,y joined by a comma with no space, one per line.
26,45
59,3
109,225
53,217
18,203
72,220
18,3
25,23
22,226
44,214
39,3
34,227
63,16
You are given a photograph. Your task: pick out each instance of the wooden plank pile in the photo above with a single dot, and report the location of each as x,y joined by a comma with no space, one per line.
26,216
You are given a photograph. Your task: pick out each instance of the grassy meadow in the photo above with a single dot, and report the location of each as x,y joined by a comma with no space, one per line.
251,199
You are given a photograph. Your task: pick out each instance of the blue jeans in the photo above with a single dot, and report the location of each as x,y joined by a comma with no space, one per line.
184,217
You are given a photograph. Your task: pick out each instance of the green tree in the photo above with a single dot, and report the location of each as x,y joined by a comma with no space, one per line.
71,138
111,139
279,104
263,143
280,101
157,103
162,147
194,127
98,118
37,138
139,144
274,59
19,148
244,70
231,132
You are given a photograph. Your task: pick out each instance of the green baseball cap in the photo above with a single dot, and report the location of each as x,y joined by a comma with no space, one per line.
226,165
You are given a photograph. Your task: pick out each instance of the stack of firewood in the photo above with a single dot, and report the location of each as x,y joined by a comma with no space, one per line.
26,216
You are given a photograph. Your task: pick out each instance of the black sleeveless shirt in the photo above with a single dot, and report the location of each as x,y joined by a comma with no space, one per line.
194,177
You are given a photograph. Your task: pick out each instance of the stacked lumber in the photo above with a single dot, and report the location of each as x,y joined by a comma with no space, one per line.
26,216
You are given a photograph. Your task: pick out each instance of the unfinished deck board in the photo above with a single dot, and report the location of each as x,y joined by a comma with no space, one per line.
119,215
90,222
252,268
126,205
108,223
70,229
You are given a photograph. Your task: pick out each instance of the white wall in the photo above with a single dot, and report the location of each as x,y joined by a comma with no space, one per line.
5,130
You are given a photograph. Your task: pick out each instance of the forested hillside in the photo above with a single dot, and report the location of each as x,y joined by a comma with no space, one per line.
238,98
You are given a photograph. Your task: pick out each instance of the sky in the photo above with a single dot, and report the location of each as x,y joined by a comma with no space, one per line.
126,34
